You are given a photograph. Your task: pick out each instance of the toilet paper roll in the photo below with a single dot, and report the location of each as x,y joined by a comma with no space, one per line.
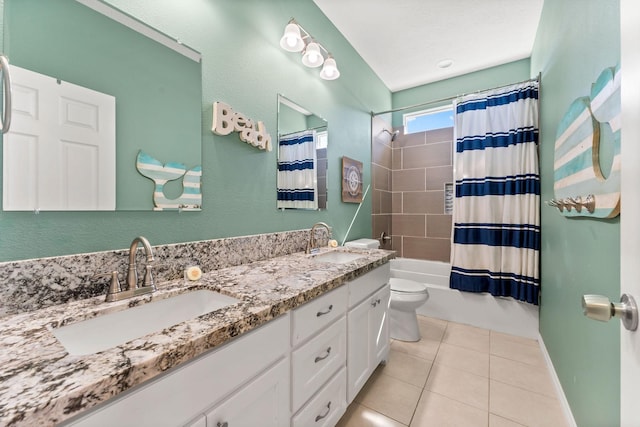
333,243
193,273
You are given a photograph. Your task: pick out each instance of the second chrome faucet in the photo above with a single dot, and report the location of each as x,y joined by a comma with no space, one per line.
311,243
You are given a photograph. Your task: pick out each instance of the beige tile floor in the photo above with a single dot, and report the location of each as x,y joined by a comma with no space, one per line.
459,376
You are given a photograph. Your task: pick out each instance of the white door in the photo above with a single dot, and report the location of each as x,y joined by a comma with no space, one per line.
60,152
630,213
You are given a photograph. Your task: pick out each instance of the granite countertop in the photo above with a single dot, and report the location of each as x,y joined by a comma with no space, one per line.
41,384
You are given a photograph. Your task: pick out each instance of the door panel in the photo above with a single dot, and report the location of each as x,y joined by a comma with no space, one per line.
629,223
60,152
263,402
358,349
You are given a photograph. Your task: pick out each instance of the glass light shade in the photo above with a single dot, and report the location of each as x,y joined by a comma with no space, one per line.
312,55
291,40
330,70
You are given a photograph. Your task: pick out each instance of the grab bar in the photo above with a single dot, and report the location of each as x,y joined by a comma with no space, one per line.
5,124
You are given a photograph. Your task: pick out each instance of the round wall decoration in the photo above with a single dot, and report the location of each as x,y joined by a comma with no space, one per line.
351,180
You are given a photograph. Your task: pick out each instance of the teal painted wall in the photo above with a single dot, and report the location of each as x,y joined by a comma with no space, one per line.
576,40
243,66
512,72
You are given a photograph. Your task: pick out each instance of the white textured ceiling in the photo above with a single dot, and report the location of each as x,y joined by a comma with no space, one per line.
404,40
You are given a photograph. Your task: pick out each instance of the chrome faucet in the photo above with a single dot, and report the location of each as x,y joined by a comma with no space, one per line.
132,272
116,291
311,244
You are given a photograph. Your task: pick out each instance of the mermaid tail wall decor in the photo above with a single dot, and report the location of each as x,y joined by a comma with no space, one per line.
160,174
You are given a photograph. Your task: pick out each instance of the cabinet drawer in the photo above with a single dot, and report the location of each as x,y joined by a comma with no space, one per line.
317,314
316,361
365,285
327,407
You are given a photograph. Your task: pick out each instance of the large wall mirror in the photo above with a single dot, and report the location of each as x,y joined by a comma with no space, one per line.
302,157
153,81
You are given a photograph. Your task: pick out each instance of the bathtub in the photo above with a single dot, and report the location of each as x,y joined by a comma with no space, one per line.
500,314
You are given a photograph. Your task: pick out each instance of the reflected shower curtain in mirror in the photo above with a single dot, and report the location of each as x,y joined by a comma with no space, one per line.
496,215
297,179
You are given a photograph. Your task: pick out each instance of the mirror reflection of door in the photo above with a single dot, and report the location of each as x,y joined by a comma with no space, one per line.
156,83
60,153
302,157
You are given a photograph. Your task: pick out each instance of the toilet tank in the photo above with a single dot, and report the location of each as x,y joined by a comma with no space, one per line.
363,244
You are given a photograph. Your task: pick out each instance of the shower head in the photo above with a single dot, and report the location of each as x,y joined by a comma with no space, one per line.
393,134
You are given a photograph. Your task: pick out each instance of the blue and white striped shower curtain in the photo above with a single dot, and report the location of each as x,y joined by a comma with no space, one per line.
496,215
297,177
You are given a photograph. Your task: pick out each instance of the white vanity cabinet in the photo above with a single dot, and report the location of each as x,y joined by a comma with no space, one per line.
249,374
299,370
318,359
368,327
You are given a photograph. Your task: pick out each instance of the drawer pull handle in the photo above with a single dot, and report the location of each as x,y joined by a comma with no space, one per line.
224,424
327,311
319,417
319,358
376,302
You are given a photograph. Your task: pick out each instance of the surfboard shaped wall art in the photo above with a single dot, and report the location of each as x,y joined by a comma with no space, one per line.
586,183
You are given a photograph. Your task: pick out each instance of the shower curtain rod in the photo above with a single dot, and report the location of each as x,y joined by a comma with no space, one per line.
298,131
449,98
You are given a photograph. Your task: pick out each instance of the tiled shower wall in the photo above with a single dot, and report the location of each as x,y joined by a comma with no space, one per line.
381,163
409,175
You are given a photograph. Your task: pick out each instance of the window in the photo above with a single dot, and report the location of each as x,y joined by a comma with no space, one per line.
434,118
322,138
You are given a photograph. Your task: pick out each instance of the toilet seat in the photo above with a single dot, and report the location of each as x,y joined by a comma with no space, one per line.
404,286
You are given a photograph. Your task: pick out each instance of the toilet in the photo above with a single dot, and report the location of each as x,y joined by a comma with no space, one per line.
406,297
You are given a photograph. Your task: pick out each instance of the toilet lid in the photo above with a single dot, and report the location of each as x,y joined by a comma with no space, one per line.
404,285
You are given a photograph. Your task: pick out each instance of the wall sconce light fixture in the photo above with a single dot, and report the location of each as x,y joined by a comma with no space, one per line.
297,39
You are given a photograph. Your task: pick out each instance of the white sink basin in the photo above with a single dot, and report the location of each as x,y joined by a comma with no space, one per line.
109,330
337,257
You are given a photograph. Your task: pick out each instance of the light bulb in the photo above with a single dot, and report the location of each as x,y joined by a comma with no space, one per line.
291,41
330,69
312,56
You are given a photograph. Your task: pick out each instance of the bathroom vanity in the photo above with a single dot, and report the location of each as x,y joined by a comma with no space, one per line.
302,340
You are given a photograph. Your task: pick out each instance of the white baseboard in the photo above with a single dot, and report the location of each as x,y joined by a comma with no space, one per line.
566,409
